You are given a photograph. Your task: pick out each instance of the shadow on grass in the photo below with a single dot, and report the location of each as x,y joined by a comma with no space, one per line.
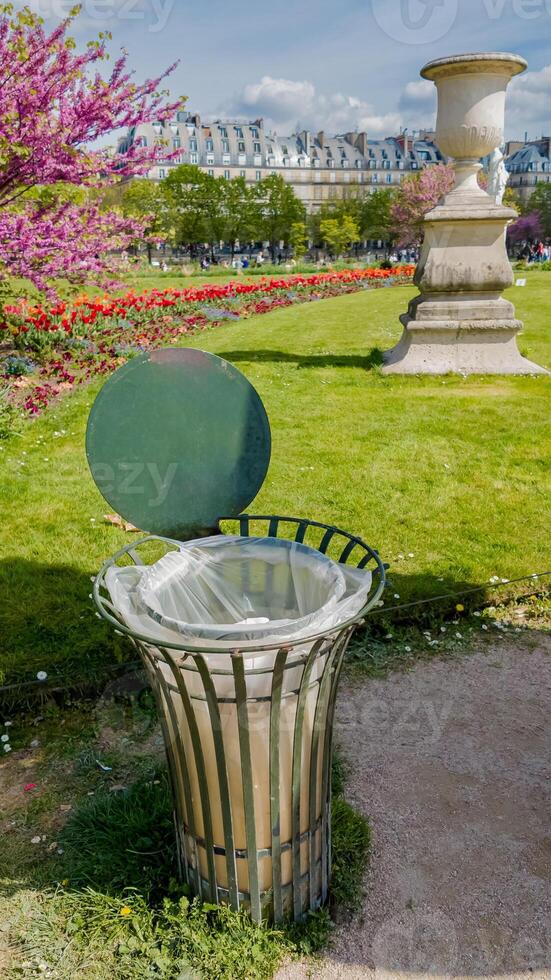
369,362
48,623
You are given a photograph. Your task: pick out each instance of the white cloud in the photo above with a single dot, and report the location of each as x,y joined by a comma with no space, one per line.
419,100
284,102
528,103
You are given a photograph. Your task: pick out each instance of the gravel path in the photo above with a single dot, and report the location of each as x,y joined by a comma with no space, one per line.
451,763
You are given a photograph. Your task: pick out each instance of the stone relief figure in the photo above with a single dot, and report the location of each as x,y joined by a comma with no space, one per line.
498,176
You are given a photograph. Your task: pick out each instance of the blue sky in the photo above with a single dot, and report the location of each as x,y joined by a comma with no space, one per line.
324,64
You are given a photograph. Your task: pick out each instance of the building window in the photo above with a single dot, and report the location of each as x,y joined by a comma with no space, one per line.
242,159
193,144
386,164
227,174
301,161
271,161
242,173
210,158
257,159
315,162
330,163
226,159
344,162
210,173
239,132
176,143
389,178
225,146
241,146
223,131
256,148
254,132
258,175
375,179
332,178
162,174
286,162
209,146
193,158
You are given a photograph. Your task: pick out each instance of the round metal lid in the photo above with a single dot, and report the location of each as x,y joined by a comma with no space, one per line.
178,438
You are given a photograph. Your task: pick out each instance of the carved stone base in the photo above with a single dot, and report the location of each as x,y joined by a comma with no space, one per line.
464,347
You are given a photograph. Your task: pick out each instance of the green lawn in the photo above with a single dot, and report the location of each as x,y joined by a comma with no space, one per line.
450,473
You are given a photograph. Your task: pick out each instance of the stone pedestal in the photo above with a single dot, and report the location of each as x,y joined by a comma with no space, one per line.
460,322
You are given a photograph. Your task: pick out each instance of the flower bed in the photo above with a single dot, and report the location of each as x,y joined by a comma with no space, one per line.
70,343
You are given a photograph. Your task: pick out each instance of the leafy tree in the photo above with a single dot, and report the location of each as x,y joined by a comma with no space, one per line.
241,212
298,239
375,214
540,203
347,206
195,205
144,199
54,104
339,234
280,209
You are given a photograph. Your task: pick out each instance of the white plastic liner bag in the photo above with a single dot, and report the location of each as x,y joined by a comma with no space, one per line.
228,589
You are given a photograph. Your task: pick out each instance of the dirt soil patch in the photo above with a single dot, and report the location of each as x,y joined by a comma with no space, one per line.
451,764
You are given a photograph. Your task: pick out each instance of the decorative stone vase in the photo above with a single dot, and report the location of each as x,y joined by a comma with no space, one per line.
460,322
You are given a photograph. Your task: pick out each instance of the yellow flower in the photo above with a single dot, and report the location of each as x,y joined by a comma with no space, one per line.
65,882
460,607
125,911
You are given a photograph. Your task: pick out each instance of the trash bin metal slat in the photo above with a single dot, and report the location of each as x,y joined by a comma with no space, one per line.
173,772
201,772
181,767
247,775
328,763
326,540
347,551
320,719
225,803
275,813
296,776
301,531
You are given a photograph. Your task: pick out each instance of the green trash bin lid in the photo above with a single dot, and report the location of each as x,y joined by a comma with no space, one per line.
178,438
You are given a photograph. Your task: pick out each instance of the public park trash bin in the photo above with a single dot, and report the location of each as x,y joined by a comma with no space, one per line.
242,632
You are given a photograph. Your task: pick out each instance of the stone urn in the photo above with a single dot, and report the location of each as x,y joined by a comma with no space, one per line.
460,322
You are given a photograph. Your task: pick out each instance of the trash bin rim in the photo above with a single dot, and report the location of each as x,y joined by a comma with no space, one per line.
103,605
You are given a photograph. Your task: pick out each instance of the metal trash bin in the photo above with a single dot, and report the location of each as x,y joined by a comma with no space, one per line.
247,726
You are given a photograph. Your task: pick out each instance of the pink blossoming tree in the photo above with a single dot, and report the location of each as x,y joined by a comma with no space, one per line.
419,194
55,105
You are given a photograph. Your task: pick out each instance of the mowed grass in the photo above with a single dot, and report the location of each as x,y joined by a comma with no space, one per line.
450,473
